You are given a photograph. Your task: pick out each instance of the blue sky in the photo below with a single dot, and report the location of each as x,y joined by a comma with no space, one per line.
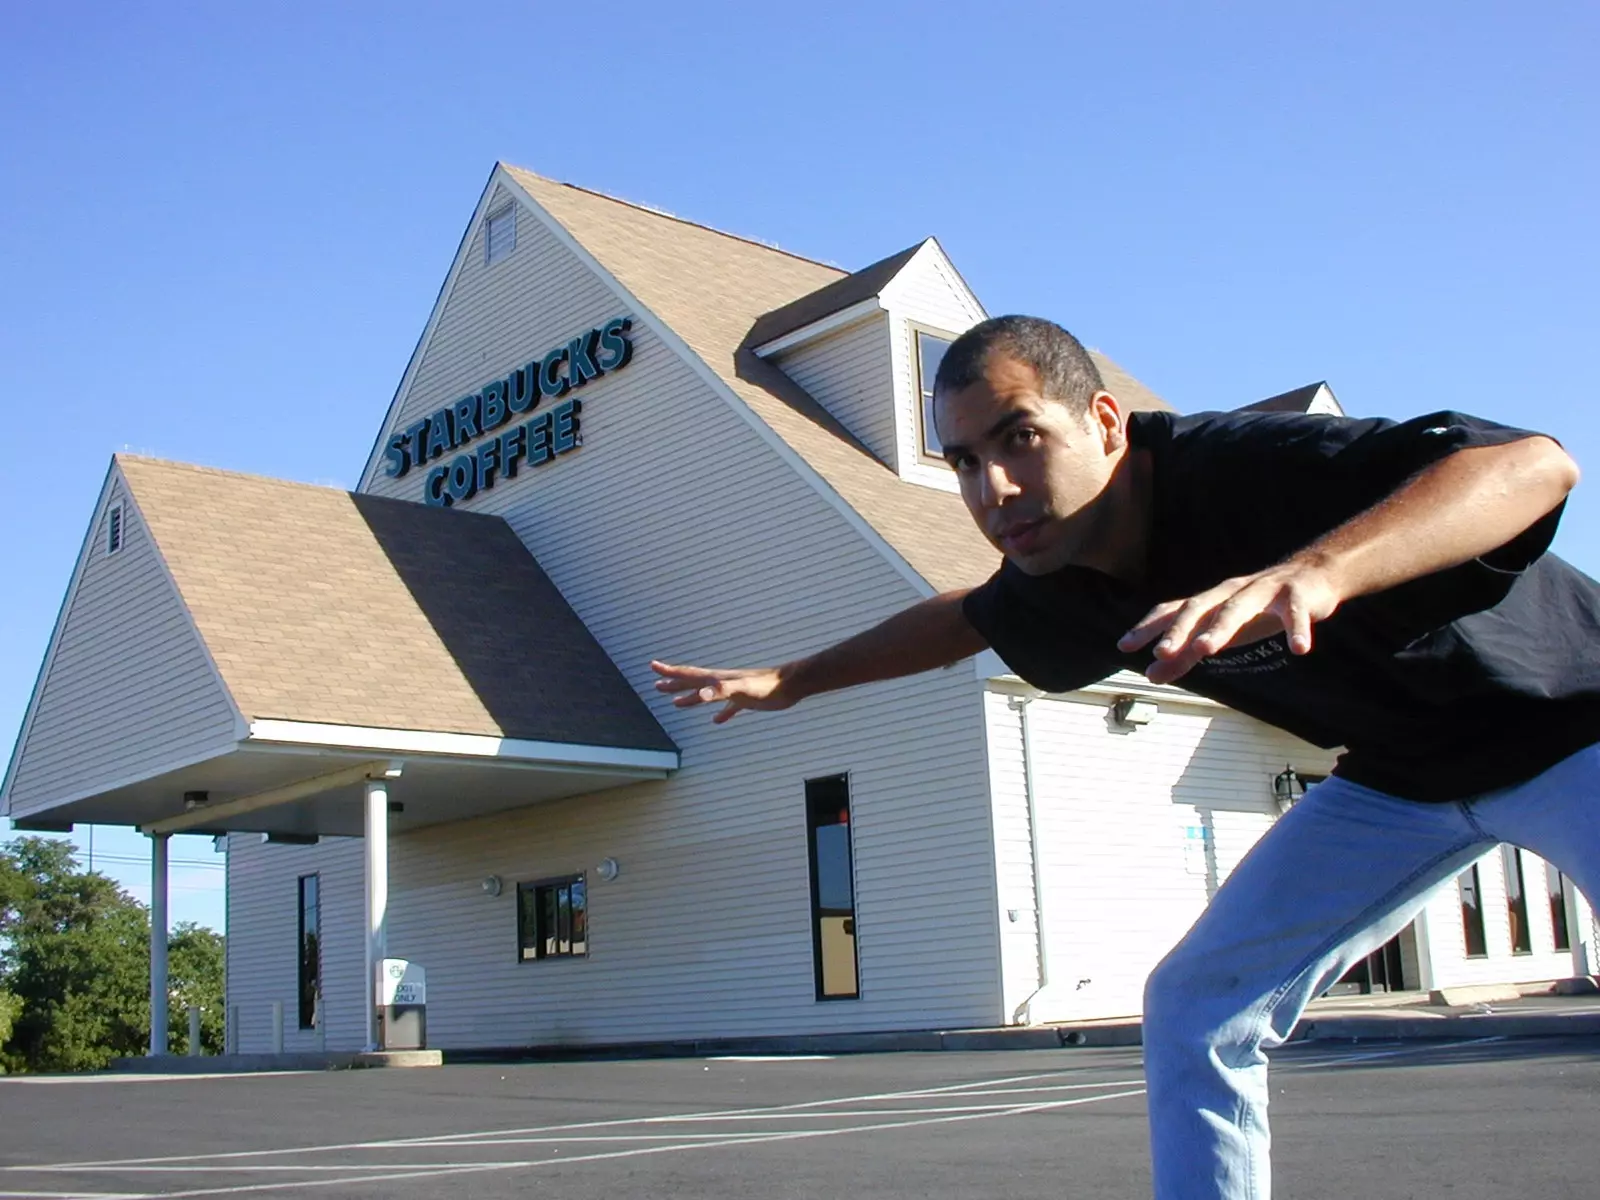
222,226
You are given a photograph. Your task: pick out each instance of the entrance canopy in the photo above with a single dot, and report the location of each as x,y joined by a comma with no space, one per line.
239,653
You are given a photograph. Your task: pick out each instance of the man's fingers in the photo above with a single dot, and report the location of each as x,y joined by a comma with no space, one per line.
1151,626
1243,609
1297,620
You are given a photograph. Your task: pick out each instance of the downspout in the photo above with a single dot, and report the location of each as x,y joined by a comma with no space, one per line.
1041,927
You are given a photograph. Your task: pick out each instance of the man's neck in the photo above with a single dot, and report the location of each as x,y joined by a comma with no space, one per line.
1120,544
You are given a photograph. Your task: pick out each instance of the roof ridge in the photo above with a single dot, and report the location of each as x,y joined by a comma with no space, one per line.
661,212
123,456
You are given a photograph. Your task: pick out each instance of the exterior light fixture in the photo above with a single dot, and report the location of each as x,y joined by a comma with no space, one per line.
1129,712
490,885
607,869
1287,787
194,800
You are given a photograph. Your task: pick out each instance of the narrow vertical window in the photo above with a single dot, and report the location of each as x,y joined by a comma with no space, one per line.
114,529
833,899
1560,889
1472,912
310,989
930,353
499,235
552,919
1516,901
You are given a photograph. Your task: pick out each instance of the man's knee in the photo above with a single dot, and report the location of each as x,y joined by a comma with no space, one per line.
1189,994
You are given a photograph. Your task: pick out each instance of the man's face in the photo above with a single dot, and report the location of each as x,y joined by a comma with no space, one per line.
1031,469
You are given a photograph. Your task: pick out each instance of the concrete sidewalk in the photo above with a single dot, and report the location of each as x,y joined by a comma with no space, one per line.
1397,1016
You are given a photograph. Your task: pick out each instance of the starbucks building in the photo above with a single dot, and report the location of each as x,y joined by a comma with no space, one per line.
421,713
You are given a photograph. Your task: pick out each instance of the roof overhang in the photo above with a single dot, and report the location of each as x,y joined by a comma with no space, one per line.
821,327
308,779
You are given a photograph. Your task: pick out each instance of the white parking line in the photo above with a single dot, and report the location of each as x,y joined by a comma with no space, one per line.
530,1164
615,1122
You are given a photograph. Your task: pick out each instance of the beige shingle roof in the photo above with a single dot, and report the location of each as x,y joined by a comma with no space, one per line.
323,606
713,289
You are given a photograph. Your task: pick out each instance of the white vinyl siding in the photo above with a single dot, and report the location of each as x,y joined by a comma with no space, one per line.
1136,831
128,690
849,374
263,933
1446,940
706,932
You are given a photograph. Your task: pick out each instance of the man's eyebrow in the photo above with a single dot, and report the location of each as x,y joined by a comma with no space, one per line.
953,450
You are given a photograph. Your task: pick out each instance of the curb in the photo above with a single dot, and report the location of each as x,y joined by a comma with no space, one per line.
220,1064
1397,1027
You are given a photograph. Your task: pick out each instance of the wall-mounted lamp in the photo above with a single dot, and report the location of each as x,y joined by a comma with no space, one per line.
1287,787
491,885
1130,712
607,869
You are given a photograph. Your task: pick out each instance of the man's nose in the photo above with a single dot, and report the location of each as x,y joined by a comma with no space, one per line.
998,486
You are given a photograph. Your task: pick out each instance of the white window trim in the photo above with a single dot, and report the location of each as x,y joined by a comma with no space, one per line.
924,456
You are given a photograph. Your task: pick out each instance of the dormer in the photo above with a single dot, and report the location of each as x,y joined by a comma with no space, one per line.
866,348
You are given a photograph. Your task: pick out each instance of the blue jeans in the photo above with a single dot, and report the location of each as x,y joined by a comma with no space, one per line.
1339,875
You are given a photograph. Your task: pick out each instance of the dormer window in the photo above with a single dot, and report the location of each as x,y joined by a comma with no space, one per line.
500,235
930,353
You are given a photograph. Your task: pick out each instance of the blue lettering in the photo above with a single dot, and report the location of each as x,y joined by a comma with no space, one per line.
513,444
461,480
564,422
522,388
395,452
538,440
615,343
550,382
439,433
487,460
433,489
493,406
465,411
580,358
416,443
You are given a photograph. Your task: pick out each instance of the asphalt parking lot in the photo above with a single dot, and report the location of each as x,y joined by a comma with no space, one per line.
1481,1118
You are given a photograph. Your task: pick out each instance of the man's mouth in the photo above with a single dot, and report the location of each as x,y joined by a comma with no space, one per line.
1019,537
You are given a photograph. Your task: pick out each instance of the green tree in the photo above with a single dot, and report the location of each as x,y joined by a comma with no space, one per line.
74,950
195,973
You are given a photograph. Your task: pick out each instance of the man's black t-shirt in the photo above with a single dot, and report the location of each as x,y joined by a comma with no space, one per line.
1448,686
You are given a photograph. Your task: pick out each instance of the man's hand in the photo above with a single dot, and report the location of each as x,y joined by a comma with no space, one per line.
736,689
1289,597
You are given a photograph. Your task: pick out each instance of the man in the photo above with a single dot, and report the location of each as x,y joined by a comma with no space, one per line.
1360,583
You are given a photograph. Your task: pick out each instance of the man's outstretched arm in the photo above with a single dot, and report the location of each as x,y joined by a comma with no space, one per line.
1459,508
934,633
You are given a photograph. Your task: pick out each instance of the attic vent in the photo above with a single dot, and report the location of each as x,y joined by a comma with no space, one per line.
114,529
500,235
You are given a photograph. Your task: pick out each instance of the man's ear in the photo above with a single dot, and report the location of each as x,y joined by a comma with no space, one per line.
1108,420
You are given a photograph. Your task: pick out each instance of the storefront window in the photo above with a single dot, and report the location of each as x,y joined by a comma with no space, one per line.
1560,889
310,974
1516,901
1472,912
552,919
833,902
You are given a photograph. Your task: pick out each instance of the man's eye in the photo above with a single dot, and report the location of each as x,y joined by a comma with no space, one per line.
1023,436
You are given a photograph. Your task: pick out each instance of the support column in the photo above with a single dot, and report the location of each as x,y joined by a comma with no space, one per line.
377,872
158,944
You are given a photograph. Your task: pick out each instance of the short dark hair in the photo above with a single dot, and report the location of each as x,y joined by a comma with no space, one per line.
1065,370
